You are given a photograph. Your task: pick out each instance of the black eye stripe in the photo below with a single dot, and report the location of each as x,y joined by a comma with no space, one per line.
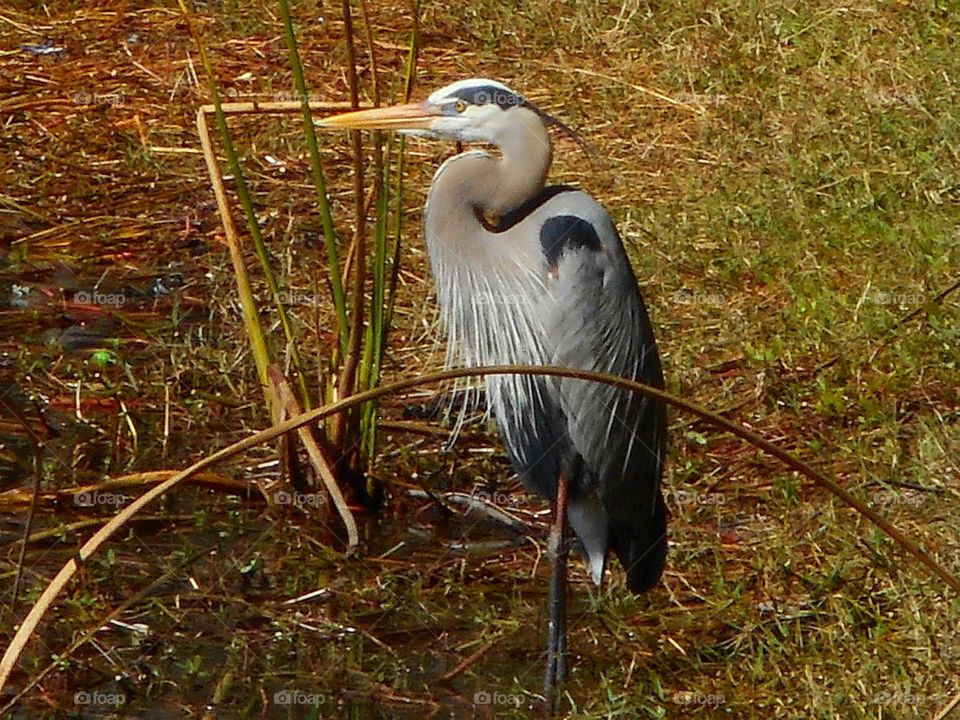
504,99
489,94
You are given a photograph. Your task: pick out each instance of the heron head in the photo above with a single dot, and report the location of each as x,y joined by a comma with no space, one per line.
465,111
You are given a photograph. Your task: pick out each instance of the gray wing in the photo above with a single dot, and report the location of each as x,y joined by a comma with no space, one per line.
595,319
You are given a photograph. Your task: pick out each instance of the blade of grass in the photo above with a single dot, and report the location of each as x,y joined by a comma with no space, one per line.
368,32
317,459
319,180
246,202
376,330
343,430
401,145
383,300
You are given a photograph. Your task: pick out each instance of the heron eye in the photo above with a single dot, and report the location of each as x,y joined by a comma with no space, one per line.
460,105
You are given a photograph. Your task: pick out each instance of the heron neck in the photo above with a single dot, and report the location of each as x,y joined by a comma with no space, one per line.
521,169
476,184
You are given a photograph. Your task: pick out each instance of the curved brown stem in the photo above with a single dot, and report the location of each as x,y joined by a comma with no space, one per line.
46,599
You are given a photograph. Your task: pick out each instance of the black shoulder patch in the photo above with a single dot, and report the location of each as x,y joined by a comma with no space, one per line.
563,232
519,213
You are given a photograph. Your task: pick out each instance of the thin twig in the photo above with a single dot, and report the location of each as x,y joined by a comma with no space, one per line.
469,660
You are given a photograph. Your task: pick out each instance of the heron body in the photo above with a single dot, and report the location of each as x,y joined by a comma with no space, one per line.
528,274
533,275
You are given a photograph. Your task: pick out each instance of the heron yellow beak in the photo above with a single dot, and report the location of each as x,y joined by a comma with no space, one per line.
414,116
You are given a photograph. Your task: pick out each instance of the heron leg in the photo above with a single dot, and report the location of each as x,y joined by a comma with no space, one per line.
557,602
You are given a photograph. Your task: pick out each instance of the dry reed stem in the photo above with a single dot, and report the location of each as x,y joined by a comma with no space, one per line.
289,402
254,107
244,290
17,497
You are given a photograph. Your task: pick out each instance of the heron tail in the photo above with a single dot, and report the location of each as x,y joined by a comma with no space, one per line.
645,554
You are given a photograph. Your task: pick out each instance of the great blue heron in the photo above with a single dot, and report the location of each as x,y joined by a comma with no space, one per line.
538,275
